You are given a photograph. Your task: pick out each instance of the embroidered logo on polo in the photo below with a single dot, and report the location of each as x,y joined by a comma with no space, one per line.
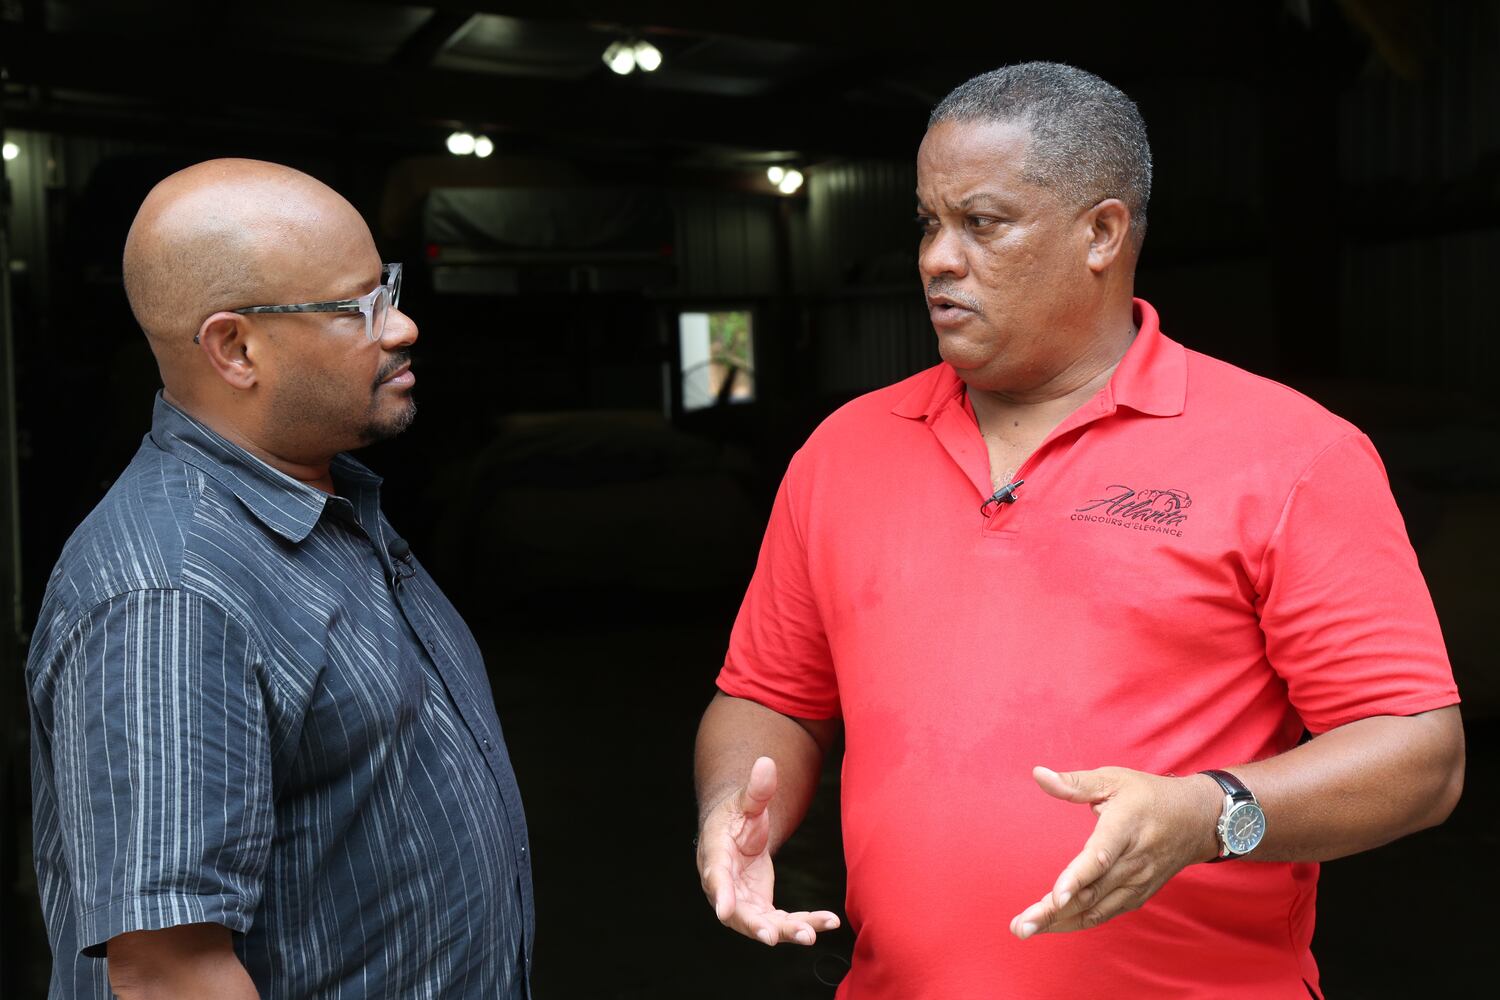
1159,511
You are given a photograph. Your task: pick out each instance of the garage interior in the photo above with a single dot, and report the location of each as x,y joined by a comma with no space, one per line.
627,327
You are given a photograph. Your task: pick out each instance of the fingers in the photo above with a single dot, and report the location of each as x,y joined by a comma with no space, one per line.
1091,873
1104,847
1055,913
1120,888
752,916
718,886
777,926
1045,913
1121,899
1107,844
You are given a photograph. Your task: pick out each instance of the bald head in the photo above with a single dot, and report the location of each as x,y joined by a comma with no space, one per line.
225,234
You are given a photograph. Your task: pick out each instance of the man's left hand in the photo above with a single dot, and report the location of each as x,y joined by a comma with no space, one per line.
1149,829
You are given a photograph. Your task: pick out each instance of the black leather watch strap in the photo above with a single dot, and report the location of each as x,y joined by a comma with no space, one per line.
1233,787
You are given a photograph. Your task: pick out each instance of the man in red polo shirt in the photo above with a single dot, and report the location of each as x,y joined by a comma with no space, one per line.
1045,585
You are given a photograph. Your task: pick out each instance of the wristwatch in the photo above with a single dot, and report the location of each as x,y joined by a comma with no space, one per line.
1242,824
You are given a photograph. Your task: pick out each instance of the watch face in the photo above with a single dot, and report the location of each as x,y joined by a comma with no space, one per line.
1244,827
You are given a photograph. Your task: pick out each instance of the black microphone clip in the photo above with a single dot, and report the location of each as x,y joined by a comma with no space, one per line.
401,564
1005,494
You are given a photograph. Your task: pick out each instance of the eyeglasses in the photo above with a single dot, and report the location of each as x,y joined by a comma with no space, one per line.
376,306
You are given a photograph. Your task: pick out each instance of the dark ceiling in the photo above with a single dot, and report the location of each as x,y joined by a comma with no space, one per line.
738,79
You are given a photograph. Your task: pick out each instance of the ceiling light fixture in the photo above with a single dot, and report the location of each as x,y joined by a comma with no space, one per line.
483,146
787,180
626,55
620,57
647,56
461,143
12,151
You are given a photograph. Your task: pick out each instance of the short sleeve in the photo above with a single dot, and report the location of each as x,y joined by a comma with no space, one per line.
1348,620
778,652
160,763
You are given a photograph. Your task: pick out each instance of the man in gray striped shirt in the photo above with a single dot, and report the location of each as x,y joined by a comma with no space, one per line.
266,760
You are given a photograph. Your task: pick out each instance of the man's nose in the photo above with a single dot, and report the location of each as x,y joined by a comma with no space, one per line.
943,253
400,331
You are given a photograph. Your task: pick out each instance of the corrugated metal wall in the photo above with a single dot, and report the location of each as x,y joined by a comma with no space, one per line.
860,229
30,174
865,341
726,245
1422,161
1208,231
856,262
1420,311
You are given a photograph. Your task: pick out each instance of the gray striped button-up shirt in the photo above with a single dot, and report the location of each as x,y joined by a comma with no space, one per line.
245,711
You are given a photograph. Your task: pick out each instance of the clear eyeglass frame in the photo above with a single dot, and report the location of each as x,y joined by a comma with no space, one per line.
376,305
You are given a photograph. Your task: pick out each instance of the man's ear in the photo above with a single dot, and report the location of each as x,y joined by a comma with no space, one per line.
224,338
1109,233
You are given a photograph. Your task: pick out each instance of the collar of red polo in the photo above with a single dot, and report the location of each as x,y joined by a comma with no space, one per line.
1151,378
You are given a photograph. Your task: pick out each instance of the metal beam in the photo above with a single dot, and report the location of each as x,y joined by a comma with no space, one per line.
428,41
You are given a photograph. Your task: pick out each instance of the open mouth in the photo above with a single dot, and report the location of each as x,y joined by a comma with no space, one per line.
400,378
945,312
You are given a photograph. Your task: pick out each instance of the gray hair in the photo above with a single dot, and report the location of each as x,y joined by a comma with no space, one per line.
1088,140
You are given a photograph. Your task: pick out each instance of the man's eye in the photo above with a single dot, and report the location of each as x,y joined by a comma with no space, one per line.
925,223
982,221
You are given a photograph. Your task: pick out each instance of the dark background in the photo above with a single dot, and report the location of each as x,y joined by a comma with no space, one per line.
1325,213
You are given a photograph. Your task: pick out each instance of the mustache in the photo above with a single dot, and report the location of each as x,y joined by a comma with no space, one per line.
948,289
397,359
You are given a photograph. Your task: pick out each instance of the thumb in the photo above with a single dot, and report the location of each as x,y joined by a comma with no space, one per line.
760,789
1083,787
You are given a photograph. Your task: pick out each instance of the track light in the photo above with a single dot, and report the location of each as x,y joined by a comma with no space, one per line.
483,146
12,151
775,174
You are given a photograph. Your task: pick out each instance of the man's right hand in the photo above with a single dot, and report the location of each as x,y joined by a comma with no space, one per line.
734,862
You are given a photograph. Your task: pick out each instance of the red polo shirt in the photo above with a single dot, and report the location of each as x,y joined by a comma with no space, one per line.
1201,563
